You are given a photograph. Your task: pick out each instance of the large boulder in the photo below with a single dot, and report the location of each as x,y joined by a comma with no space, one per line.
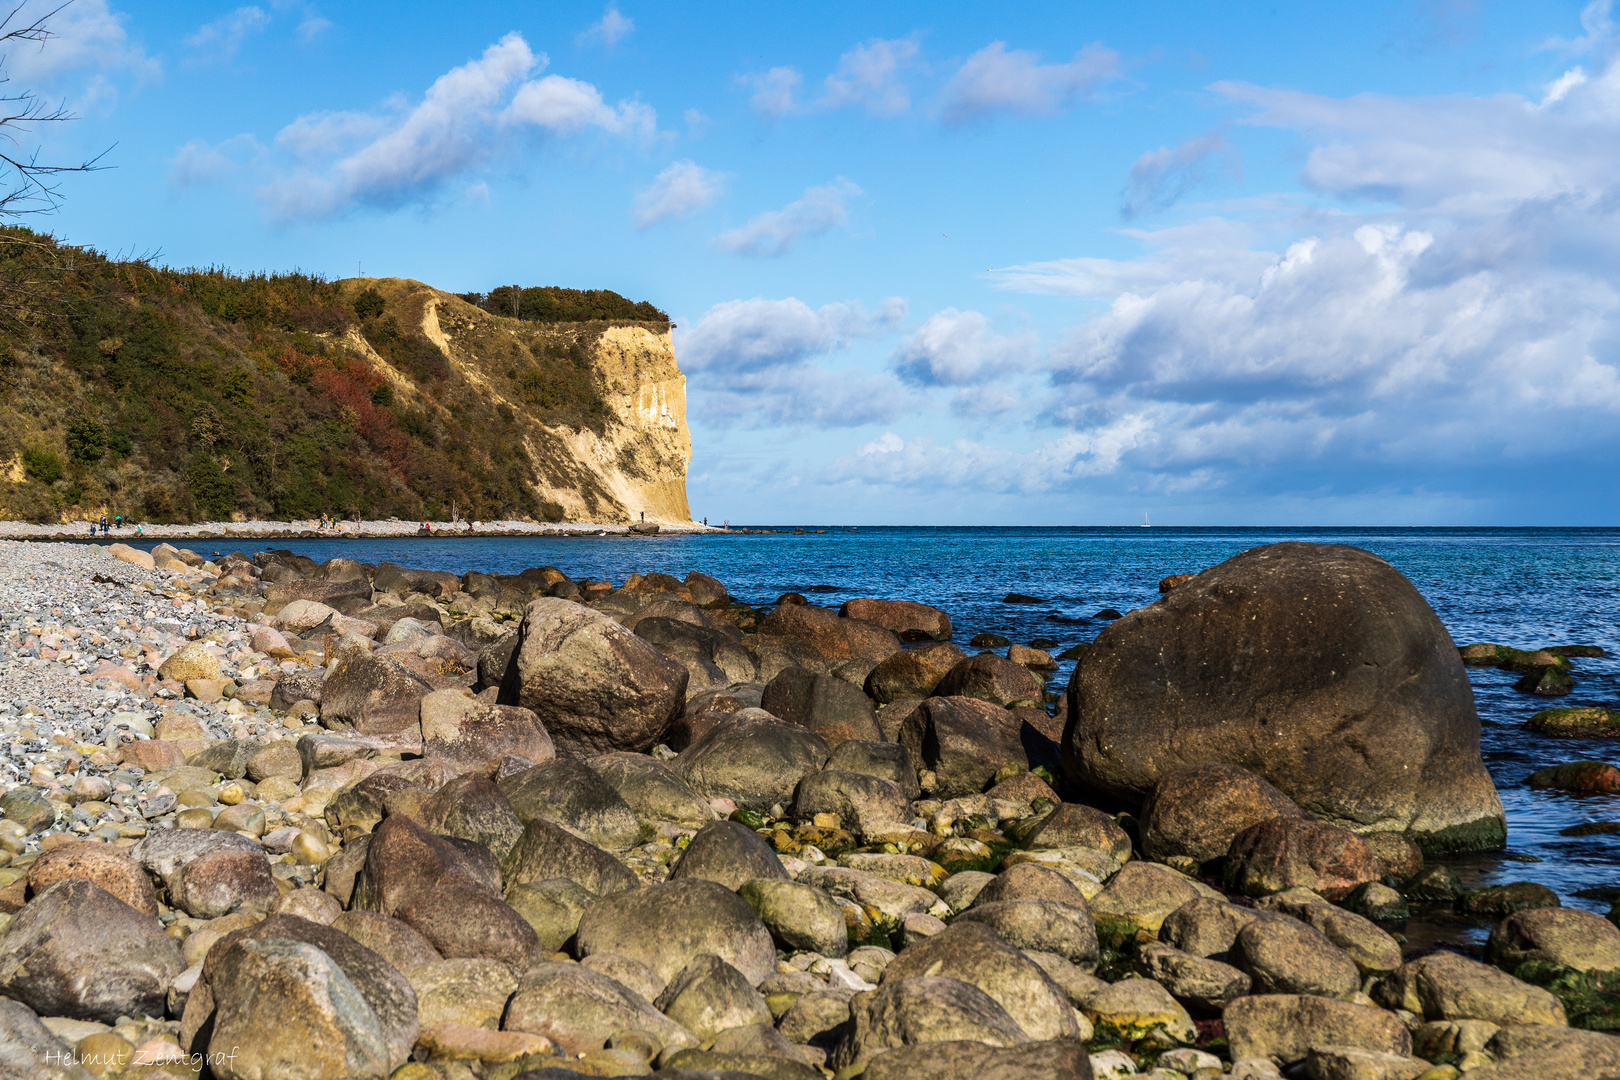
1196,811
652,790
991,678
1568,937
926,1009
473,736
472,807
569,792
579,1009
1286,956
911,620
546,852
1446,986
666,925
77,950
1284,1027
865,804
827,705
820,635
975,954
1289,852
966,741
1317,667
100,864
752,759
372,693
913,673
730,853
595,686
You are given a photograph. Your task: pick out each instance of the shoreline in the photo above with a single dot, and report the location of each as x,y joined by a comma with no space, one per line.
354,530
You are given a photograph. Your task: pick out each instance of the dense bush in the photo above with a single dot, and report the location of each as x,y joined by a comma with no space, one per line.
551,303
43,465
369,304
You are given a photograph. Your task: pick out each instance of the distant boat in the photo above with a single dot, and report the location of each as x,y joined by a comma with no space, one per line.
1146,524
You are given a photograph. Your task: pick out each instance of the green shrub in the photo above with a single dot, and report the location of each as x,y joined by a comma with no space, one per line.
86,441
369,304
43,465
550,511
210,489
383,394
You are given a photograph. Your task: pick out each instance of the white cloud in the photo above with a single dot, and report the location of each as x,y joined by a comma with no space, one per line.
958,348
774,91
88,39
681,190
750,335
868,77
469,114
995,80
1159,178
222,38
777,232
609,30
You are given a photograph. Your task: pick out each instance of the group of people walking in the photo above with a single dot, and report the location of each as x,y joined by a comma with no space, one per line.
106,527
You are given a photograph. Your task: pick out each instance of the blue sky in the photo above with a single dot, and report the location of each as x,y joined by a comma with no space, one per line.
1236,263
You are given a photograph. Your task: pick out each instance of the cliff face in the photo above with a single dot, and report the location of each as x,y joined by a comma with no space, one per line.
200,395
634,460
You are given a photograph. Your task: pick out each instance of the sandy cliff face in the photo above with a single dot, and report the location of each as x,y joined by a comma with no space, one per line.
626,458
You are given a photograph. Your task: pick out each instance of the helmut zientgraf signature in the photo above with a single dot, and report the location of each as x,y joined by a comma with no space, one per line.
154,1052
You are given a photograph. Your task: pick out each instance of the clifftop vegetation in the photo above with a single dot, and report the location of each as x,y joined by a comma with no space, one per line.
182,395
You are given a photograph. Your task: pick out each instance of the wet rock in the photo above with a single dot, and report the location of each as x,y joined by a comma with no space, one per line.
1446,986
569,792
865,804
1285,852
1285,956
1546,682
1585,723
801,918
753,760
666,925
1157,692
975,955
913,673
1284,1027
924,1010
1564,936
1499,901
286,1009
1578,778
988,677
652,790
1378,902
474,736
545,852
579,1009
709,995
1195,811
594,685
76,950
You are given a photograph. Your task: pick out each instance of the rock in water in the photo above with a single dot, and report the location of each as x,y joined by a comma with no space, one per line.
595,686
1319,668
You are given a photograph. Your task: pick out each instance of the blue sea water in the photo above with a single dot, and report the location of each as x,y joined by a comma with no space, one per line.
1520,587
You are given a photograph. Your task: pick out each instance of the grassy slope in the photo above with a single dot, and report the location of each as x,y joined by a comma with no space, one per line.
191,395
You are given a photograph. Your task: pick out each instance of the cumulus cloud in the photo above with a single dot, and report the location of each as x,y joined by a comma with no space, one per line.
869,77
409,154
88,46
222,38
1160,178
684,188
609,30
996,80
959,348
751,363
200,162
774,91
777,232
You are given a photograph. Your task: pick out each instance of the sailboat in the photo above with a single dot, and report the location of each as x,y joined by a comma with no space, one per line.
1146,524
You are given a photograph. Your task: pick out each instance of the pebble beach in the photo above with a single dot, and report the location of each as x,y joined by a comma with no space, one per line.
268,817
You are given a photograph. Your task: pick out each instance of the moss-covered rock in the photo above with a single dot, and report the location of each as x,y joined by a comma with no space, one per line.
1499,901
1546,682
1578,722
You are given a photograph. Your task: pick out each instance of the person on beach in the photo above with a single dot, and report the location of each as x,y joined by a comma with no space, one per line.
103,526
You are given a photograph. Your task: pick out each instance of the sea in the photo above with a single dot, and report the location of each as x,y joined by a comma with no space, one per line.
1522,587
